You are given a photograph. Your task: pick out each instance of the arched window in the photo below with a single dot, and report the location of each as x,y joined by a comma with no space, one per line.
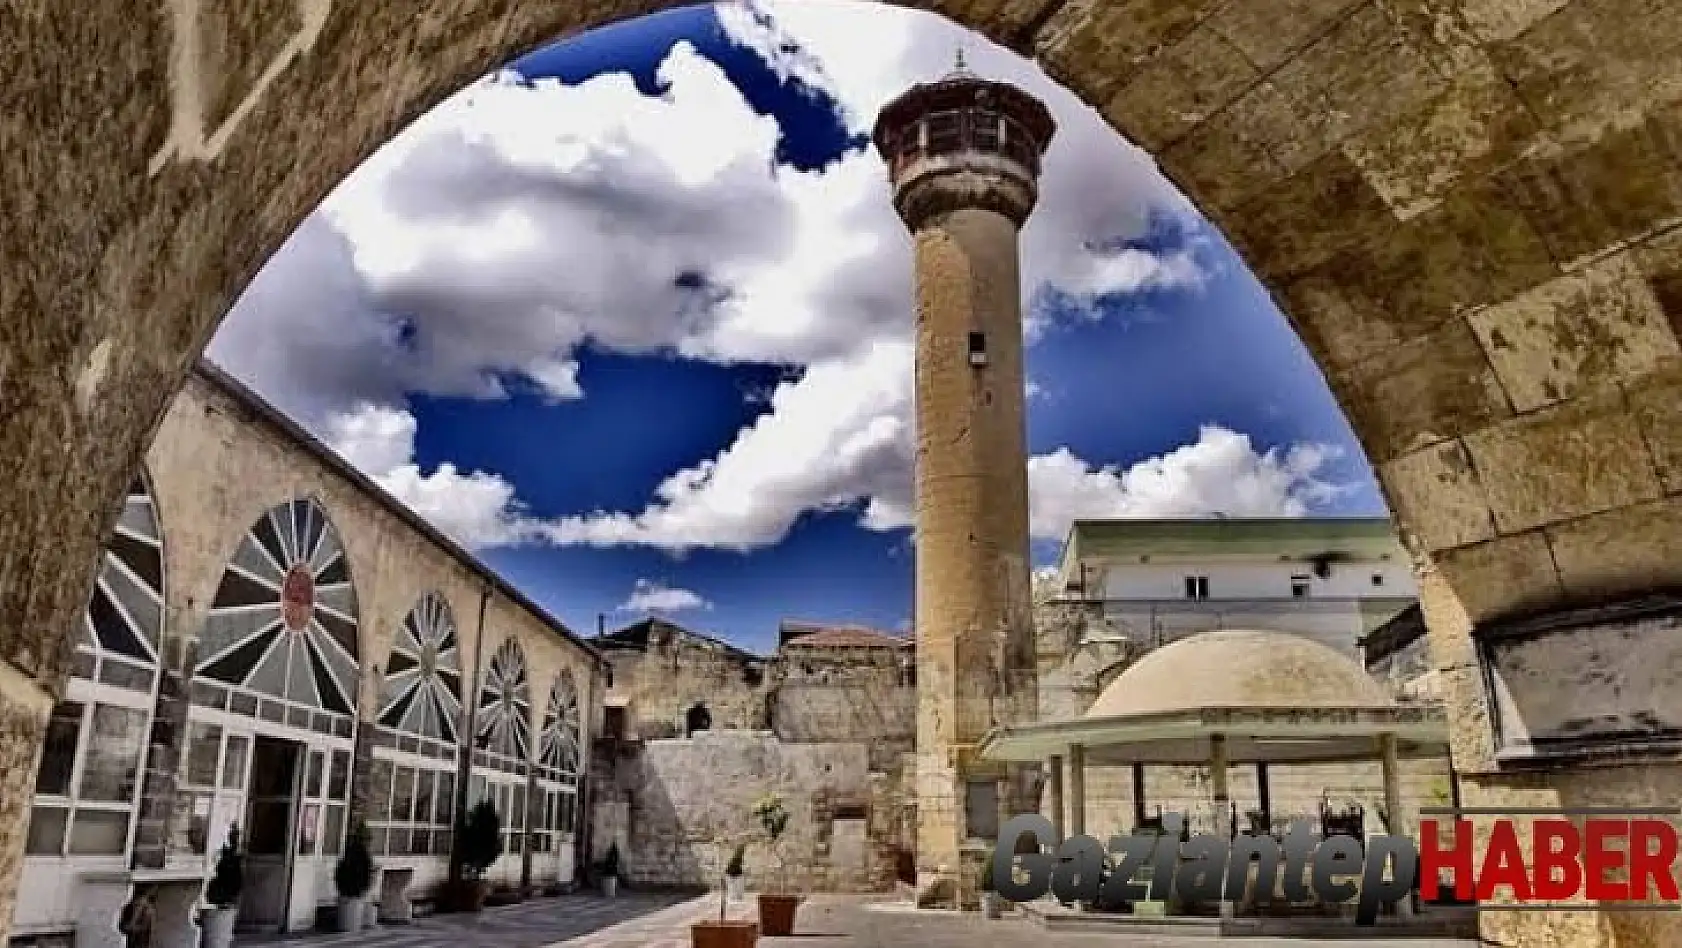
502,741
698,718
560,759
412,783
91,763
280,641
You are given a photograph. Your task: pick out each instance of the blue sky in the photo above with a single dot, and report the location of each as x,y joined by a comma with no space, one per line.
633,321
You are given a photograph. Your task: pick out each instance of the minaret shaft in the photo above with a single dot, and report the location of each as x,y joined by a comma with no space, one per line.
964,155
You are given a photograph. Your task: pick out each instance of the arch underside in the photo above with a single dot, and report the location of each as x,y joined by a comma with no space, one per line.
1465,208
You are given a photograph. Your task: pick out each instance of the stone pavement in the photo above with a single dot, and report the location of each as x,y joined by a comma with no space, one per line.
653,920
531,924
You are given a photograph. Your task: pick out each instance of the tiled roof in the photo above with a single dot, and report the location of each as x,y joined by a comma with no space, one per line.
845,637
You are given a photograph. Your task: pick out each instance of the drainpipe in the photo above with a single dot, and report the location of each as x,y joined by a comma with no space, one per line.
464,773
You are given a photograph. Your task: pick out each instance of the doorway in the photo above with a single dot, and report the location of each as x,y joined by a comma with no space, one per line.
271,813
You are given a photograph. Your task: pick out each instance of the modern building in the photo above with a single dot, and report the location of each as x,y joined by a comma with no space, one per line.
964,157
277,644
1332,579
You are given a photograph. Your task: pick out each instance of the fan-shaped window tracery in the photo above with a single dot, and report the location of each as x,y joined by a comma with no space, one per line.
281,640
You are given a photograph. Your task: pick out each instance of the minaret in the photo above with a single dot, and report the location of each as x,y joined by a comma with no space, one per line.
964,156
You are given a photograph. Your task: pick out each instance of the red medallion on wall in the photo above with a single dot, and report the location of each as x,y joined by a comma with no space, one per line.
297,598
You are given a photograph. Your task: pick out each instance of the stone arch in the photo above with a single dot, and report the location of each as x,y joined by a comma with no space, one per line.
1459,204
420,691
284,621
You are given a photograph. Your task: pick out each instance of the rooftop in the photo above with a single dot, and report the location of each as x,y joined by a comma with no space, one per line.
846,637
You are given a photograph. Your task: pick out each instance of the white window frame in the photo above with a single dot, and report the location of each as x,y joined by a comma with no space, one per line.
90,695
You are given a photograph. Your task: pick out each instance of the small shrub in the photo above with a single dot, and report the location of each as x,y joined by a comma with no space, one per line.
226,885
480,838
355,872
610,863
988,883
734,868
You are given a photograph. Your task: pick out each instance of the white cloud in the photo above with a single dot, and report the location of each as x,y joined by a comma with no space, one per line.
475,509
520,221
1220,473
650,596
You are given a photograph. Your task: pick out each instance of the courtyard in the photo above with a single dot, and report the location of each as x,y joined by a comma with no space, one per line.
661,920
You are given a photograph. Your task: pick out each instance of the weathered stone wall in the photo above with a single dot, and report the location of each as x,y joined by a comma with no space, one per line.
674,674
859,696
679,806
220,461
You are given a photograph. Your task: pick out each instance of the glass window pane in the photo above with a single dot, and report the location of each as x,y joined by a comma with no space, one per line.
403,795
379,791
46,831
99,832
309,825
423,796
338,785
446,797
517,808
420,844
399,841
58,754
111,767
312,778
233,765
204,749
377,841
332,834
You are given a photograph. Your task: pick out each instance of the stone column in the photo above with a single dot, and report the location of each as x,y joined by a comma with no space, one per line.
1077,790
1218,785
1393,800
24,707
1054,768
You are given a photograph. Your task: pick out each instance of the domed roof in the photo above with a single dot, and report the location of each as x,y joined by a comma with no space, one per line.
1240,669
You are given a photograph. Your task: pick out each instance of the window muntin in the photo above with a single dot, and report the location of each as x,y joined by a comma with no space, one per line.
88,780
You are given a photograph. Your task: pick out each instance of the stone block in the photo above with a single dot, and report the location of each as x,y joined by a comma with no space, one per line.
1180,89
1589,198
1577,334
1656,402
1617,552
1501,20
1095,47
1436,495
1591,66
1403,281
1267,32
1421,393
1504,576
1218,163
1563,462
1300,223
1474,125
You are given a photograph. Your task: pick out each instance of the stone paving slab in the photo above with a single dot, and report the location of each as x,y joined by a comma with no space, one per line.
655,920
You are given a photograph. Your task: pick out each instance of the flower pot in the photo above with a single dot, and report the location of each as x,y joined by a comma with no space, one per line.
991,905
370,914
716,933
351,914
610,886
776,915
735,888
217,929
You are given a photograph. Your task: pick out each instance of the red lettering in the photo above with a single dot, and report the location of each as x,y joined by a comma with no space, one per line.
1647,862
1433,858
1598,860
1558,877
1503,865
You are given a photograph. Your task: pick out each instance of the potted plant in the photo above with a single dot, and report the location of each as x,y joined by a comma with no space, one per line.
725,932
217,922
608,871
776,908
353,876
480,839
735,883
991,905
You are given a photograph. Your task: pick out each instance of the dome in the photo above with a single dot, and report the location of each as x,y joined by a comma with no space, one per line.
1240,669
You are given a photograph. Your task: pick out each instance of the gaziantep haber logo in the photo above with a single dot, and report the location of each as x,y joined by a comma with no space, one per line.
1580,858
